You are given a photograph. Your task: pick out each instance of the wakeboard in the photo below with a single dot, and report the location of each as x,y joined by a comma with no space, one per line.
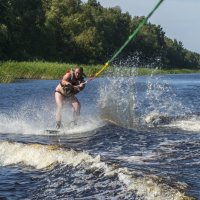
70,126
52,131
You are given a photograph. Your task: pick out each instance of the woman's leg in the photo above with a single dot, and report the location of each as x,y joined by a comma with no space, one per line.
59,98
76,106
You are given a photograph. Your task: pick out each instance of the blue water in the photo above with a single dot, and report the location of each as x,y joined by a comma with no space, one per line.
138,138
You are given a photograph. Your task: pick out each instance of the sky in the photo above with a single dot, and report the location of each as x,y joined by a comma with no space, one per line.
180,19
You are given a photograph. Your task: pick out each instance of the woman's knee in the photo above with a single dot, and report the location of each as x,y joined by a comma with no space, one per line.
76,106
59,101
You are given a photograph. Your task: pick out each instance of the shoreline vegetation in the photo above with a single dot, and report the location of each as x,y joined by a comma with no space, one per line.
13,70
71,31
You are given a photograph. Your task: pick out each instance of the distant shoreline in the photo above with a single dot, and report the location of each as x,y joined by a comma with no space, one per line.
12,70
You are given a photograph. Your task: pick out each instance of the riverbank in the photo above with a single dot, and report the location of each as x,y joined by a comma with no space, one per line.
11,70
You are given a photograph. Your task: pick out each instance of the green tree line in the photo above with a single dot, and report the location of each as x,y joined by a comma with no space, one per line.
75,32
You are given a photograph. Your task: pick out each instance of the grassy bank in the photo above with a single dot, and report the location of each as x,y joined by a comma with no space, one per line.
147,71
10,71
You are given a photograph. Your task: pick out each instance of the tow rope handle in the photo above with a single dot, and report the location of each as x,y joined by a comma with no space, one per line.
131,37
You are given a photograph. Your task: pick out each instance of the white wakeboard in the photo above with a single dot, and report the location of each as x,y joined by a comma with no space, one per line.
52,131
82,126
71,125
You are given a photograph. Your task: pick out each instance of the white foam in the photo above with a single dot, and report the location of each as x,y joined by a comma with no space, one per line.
38,156
146,156
19,125
42,156
84,126
16,125
192,124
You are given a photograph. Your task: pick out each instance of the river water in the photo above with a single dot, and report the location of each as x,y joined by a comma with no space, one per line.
138,138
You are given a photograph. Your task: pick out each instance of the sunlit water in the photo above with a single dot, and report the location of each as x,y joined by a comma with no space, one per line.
138,138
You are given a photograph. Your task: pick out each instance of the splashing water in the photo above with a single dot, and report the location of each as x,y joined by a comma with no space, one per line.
162,101
132,101
117,99
34,117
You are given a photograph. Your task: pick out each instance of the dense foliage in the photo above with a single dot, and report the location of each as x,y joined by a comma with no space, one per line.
75,32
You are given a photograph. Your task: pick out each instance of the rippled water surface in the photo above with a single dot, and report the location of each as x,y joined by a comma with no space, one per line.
138,138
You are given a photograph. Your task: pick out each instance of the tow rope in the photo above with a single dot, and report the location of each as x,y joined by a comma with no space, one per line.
131,37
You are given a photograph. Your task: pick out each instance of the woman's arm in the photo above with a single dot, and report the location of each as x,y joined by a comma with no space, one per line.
66,79
78,88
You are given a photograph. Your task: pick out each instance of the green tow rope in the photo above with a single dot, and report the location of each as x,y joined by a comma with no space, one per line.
131,37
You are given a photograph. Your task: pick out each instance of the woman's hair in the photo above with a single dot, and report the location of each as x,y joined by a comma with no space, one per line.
81,70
